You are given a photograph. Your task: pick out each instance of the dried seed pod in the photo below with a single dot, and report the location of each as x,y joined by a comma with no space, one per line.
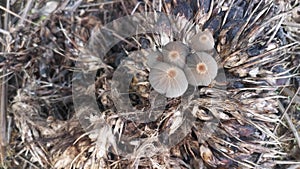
168,79
200,69
154,57
202,41
175,53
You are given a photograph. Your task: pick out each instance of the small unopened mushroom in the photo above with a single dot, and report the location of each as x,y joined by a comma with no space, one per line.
200,69
296,14
168,79
175,53
154,57
202,41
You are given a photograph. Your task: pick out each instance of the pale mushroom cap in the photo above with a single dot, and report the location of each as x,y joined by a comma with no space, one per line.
201,68
175,53
168,79
202,41
154,57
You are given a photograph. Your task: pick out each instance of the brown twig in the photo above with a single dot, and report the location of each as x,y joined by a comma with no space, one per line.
288,119
3,105
26,10
3,102
16,15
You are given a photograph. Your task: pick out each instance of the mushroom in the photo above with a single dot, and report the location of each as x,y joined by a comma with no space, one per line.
296,14
202,41
168,79
200,69
154,57
175,53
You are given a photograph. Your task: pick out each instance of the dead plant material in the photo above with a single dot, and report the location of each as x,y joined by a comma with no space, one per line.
248,120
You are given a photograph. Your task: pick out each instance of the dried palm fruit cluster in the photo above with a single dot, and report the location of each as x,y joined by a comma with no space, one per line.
247,110
181,66
257,43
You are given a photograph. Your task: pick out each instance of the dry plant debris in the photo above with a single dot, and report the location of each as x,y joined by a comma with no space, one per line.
257,106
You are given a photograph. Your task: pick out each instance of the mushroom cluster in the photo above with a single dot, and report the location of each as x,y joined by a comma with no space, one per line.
177,65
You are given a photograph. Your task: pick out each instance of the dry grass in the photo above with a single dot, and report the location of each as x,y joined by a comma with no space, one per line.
257,107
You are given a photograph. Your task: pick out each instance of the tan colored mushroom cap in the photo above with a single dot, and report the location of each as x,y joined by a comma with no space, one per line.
200,69
154,57
296,14
202,41
175,53
168,79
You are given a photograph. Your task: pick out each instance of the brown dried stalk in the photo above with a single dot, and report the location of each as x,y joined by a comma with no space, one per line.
3,102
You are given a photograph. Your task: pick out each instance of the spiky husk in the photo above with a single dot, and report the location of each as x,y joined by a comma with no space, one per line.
257,42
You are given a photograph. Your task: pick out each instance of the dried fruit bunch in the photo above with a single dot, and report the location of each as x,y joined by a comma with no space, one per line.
178,65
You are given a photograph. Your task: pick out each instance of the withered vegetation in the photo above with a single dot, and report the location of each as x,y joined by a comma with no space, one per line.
257,107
